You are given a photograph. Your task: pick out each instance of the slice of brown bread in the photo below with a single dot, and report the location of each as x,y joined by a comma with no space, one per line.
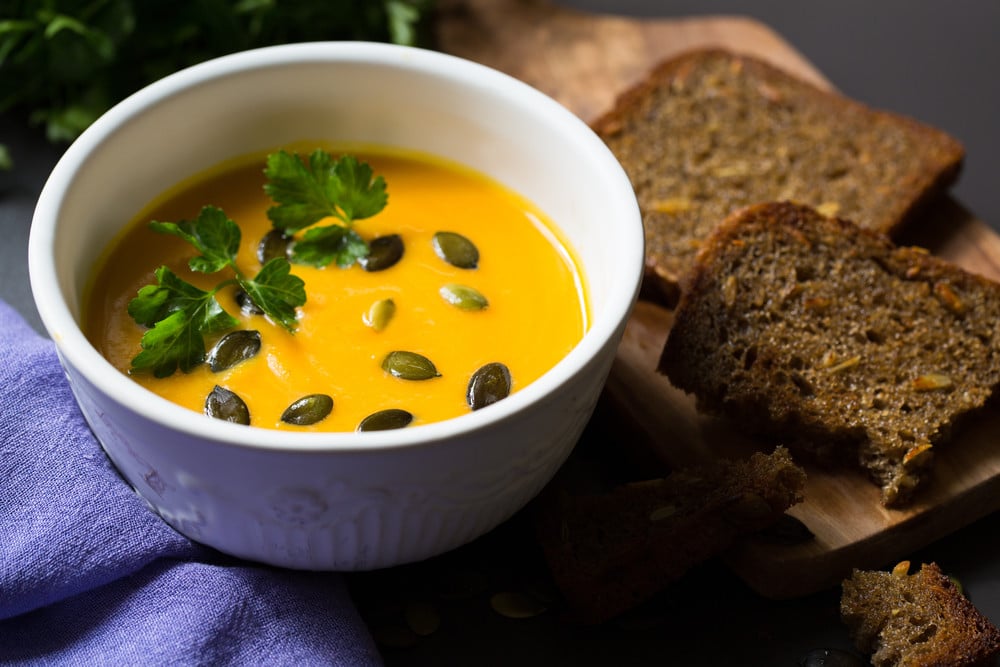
833,339
917,620
609,551
710,131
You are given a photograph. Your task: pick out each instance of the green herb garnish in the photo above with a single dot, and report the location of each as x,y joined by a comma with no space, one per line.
344,189
64,62
181,314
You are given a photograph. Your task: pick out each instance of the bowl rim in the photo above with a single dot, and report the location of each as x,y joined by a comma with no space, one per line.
77,351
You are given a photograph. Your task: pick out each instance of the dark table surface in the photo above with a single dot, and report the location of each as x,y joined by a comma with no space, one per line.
933,60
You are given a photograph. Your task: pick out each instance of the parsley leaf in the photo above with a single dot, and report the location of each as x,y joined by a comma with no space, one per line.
300,194
171,294
173,342
305,194
180,315
323,245
358,192
276,291
344,189
215,236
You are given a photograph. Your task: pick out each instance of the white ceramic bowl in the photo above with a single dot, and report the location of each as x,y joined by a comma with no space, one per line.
331,501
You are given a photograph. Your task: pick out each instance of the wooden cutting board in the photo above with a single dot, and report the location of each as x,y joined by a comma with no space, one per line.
584,61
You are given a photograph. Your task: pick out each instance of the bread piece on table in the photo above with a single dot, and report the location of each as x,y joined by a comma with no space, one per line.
917,620
710,131
610,551
834,340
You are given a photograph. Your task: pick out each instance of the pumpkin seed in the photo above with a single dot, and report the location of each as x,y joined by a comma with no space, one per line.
901,569
422,618
456,250
379,314
383,252
234,347
385,420
463,296
274,244
517,605
488,385
308,410
246,304
409,366
227,406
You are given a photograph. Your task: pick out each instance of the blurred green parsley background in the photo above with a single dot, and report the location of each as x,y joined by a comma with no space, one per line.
64,62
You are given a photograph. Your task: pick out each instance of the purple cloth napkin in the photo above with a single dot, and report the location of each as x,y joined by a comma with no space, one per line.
90,576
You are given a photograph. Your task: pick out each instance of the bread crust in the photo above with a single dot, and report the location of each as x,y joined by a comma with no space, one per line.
711,131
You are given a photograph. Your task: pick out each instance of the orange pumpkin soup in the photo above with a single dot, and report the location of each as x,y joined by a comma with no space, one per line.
536,312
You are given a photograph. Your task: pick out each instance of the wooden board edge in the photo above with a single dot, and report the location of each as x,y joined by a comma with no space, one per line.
780,572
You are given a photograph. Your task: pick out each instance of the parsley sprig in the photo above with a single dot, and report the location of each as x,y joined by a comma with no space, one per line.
180,315
343,189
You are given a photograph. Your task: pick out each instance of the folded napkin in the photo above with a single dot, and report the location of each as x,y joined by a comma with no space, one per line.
90,576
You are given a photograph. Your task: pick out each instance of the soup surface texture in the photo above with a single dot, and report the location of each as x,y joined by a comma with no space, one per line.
537,309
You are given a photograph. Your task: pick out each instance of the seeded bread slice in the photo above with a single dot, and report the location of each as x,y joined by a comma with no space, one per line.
710,132
835,340
609,551
917,620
